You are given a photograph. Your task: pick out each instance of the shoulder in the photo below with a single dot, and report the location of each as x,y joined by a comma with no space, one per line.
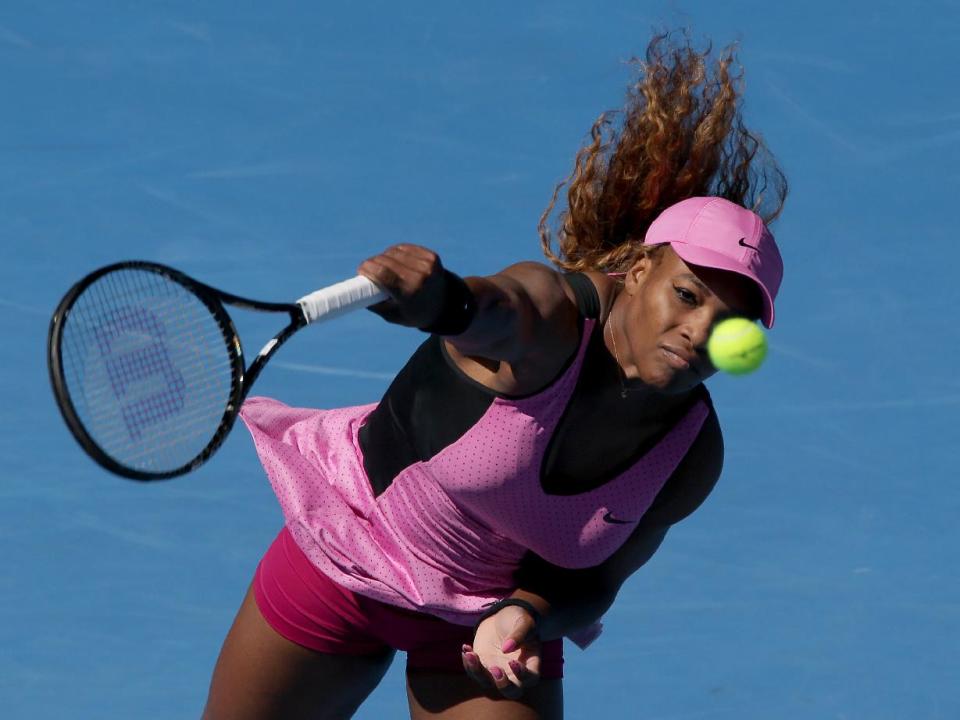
532,272
526,326
529,292
694,478
548,284
606,288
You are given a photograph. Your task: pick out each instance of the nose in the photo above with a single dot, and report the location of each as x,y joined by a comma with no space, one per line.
696,330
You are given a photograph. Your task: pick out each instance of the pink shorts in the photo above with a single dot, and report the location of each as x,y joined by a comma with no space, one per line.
308,608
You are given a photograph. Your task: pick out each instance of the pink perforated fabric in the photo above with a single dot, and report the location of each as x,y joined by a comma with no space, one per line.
447,535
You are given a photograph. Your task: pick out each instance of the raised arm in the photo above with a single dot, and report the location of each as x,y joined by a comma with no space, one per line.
524,316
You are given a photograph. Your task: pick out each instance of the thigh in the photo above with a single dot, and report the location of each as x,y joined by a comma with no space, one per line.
457,697
260,675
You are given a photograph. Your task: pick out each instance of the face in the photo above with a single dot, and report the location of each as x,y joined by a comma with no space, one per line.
666,313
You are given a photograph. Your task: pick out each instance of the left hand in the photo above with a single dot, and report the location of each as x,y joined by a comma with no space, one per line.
505,653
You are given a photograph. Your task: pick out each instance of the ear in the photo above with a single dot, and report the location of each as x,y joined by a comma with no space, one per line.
638,273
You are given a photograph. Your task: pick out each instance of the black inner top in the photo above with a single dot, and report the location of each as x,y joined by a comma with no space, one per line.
431,404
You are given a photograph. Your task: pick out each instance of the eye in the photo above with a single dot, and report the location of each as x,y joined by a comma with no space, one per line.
685,296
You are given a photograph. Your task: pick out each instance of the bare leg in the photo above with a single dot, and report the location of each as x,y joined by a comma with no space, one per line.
261,676
456,697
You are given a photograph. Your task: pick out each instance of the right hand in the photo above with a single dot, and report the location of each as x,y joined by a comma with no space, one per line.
413,277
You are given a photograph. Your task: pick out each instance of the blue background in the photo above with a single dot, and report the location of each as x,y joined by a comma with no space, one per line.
267,149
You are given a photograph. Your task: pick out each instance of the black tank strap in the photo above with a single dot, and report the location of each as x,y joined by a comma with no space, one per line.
585,292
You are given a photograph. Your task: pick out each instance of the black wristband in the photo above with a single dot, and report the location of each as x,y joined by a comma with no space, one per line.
500,604
459,307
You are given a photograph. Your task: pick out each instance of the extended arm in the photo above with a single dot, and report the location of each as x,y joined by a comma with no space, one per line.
567,600
523,320
570,599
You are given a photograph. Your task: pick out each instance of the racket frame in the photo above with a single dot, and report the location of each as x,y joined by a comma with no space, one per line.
242,378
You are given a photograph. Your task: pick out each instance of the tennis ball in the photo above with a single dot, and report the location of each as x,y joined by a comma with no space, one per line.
737,346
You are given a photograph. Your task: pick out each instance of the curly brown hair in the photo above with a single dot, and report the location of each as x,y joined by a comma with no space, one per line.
680,135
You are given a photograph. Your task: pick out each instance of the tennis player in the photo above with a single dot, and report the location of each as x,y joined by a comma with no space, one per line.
537,447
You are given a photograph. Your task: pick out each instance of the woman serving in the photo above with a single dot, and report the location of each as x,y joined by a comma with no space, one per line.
535,450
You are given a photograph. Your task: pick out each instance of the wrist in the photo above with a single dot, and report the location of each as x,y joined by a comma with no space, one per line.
457,310
528,607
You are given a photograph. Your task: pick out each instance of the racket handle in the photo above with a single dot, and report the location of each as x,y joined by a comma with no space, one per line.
334,300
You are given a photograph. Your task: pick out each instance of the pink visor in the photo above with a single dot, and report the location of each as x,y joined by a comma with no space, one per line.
716,233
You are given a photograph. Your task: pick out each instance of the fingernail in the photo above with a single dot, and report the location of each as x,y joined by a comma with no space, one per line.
465,649
509,646
516,667
497,673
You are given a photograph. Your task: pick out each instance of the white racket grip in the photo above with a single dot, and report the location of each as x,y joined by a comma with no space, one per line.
335,300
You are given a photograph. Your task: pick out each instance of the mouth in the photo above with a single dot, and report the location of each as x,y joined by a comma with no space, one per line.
677,359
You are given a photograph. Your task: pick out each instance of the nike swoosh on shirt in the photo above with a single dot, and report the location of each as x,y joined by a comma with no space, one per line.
609,518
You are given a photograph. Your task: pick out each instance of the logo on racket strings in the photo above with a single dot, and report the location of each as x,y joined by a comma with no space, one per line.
133,366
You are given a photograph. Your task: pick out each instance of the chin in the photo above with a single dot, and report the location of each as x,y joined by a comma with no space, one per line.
662,380
671,382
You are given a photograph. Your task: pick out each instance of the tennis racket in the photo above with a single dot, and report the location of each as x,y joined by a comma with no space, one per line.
147,367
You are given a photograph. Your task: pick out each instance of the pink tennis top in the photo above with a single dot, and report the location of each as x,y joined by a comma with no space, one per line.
448,533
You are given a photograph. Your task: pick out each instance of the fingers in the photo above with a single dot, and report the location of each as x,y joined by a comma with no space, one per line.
402,269
413,278
523,626
474,668
527,674
510,682
507,686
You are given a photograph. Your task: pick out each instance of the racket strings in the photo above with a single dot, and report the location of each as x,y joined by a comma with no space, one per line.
148,369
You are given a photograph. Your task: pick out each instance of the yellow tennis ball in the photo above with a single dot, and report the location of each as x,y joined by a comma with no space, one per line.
737,346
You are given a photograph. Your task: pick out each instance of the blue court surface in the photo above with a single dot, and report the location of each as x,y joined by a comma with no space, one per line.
268,148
